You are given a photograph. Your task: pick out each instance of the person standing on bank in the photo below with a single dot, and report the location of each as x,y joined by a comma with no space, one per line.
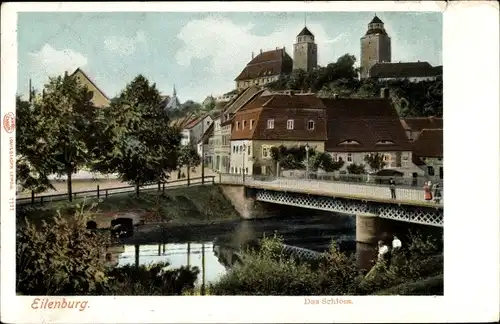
383,251
396,244
392,186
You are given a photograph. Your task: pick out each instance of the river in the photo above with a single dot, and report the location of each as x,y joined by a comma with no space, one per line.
183,245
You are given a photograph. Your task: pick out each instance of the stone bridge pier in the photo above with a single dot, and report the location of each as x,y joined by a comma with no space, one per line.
246,204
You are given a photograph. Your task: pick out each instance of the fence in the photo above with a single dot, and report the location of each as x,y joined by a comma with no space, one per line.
362,179
106,192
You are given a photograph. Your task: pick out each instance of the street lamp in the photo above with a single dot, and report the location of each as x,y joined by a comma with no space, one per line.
307,161
244,149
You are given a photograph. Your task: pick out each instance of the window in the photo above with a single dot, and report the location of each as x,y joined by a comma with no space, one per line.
270,124
349,157
241,149
289,124
430,170
310,125
441,173
246,170
265,151
335,157
249,150
244,124
234,149
237,125
387,157
251,123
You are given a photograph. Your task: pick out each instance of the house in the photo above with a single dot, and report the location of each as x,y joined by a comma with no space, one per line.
358,127
412,71
222,128
264,68
99,98
227,97
193,130
205,146
414,125
271,121
428,152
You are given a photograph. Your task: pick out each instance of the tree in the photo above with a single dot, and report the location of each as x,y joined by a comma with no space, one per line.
33,164
355,168
375,161
189,157
135,139
324,161
63,120
291,158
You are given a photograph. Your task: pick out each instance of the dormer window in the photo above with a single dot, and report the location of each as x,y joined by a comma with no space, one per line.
310,125
289,124
251,123
270,124
237,125
349,142
244,124
385,142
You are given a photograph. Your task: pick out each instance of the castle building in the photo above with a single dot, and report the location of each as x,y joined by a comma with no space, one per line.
305,51
264,68
375,46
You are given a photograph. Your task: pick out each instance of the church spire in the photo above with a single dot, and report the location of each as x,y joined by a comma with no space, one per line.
175,93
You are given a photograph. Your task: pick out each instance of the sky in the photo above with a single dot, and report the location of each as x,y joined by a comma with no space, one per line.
201,53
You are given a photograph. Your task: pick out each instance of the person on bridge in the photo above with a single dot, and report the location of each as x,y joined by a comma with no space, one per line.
437,193
392,186
427,191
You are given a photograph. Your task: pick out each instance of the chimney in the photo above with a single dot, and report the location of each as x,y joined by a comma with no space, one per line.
284,51
253,55
384,93
335,96
261,51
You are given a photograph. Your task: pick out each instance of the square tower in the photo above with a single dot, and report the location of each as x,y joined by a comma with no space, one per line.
305,51
375,46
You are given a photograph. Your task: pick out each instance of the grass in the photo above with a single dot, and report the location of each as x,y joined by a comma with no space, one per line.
179,205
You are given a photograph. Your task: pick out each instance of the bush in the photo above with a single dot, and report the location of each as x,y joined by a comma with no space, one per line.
64,258
60,258
268,272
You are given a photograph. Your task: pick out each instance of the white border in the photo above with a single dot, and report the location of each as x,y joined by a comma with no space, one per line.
471,103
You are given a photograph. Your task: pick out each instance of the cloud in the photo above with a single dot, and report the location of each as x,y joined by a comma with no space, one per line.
49,61
227,47
336,39
125,45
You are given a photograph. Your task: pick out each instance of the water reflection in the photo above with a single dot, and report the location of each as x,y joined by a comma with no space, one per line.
177,255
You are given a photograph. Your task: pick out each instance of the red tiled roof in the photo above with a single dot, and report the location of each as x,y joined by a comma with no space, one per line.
281,108
242,99
429,143
369,122
403,70
194,121
268,63
416,124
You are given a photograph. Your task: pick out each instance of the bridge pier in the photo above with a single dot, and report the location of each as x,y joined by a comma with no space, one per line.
367,228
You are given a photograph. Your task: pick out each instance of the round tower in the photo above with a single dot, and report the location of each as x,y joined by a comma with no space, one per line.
375,46
305,51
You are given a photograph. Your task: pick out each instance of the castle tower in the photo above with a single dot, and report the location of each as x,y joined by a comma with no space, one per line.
305,51
375,46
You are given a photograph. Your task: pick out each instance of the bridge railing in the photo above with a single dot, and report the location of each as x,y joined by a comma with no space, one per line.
358,189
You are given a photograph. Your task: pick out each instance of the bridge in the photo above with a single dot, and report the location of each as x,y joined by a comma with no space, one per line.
367,201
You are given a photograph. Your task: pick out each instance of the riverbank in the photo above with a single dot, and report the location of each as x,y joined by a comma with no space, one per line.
186,205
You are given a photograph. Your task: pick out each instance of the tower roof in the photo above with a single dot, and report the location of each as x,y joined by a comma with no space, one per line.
376,20
305,32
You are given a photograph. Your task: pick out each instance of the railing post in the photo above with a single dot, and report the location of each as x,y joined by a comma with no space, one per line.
106,193
159,186
163,189
213,180
41,200
74,195
32,197
98,192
